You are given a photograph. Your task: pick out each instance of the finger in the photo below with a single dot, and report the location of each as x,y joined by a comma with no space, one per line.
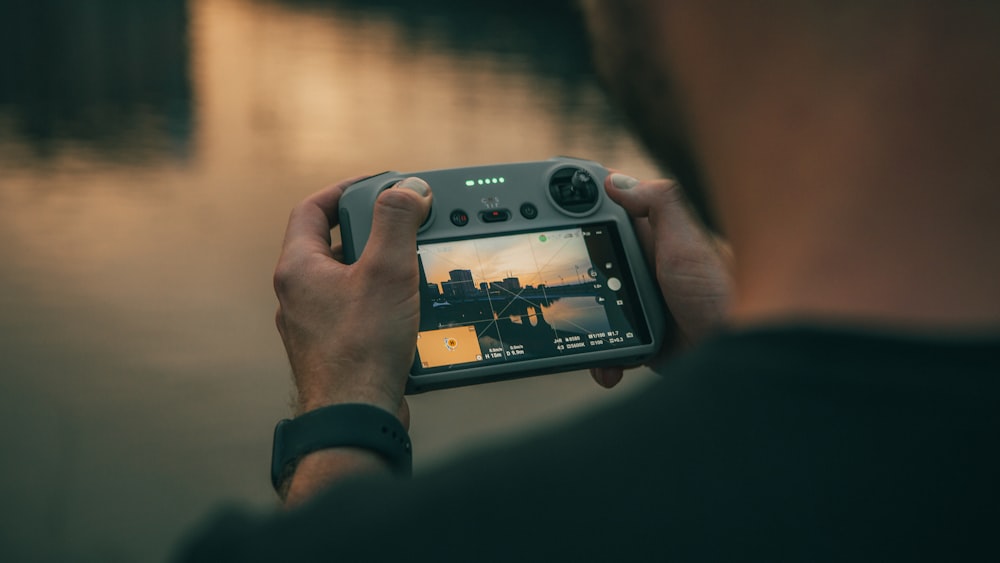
640,199
310,221
689,268
637,208
626,192
661,201
607,377
399,211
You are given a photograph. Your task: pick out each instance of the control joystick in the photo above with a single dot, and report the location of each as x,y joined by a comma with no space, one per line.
574,190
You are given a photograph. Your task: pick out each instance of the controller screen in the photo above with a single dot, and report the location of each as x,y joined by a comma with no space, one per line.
524,296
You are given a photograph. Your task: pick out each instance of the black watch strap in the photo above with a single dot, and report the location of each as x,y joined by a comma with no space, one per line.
354,424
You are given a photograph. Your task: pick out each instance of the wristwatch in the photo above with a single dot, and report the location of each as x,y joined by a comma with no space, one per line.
352,424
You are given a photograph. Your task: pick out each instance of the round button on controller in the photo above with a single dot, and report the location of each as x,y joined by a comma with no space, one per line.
459,218
529,211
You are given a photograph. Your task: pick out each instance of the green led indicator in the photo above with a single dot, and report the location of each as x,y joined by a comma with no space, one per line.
484,181
543,238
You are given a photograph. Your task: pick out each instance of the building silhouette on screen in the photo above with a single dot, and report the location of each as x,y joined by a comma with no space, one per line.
460,284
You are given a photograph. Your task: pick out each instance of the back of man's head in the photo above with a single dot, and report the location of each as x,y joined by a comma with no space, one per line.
847,147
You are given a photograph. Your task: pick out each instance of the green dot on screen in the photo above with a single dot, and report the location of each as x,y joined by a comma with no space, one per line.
543,238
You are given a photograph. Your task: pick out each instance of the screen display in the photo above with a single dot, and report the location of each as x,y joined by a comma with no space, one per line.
524,296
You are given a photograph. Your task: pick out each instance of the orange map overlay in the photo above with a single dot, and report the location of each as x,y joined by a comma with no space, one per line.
447,346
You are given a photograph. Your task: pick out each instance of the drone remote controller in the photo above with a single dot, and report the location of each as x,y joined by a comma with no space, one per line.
525,269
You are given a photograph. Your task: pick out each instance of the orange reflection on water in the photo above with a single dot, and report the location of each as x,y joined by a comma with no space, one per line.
287,88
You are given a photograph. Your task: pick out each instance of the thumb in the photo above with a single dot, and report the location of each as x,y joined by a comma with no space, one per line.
663,204
655,199
399,211
689,262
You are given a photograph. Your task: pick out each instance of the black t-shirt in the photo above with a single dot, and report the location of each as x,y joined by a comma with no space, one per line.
791,443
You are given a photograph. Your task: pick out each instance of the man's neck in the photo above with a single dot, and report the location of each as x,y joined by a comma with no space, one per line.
873,201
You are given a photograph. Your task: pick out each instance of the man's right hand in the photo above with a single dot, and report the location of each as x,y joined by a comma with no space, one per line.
691,265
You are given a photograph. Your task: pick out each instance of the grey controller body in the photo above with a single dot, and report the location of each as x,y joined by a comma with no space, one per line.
525,269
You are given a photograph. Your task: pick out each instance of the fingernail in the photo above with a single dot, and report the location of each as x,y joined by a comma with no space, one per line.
415,184
623,182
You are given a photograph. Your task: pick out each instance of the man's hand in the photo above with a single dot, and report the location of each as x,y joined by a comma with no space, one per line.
690,264
350,331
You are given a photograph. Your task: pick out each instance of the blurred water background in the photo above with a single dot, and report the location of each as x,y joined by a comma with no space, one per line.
149,154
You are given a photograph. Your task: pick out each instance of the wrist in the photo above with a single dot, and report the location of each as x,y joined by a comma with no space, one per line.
311,401
322,384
